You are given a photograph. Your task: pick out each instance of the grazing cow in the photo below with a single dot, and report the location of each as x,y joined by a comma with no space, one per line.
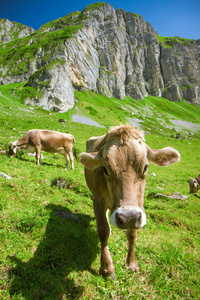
194,184
116,166
49,141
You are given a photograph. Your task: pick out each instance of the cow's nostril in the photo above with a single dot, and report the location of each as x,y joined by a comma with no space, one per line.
138,217
121,219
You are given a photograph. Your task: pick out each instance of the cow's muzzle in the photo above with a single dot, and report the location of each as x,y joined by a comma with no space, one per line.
128,218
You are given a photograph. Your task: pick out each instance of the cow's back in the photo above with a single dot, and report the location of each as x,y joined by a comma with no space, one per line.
50,141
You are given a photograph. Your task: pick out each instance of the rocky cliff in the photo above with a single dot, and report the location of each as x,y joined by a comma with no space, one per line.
9,31
115,53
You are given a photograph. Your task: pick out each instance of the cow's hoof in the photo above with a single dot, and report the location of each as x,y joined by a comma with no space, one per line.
107,273
134,267
112,276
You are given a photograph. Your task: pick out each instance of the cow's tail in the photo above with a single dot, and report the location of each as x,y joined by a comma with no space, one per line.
75,153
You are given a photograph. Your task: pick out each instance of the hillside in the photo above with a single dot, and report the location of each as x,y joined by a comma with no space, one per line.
114,53
152,115
96,69
49,243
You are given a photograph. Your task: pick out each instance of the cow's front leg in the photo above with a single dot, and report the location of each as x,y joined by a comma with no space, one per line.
103,228
40,158
131,258
38,155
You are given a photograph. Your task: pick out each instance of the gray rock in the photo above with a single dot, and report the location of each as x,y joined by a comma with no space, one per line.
68,216
62,121
12,30
5,175
177,196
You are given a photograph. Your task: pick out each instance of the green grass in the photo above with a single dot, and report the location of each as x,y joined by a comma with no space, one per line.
111,111
94,6
44,256
169,42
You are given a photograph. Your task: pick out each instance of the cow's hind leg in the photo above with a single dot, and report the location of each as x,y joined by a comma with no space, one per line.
103,228
68,156
131,258
66,160
71,159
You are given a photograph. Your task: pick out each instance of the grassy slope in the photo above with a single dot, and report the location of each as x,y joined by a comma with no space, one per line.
43,256
169,42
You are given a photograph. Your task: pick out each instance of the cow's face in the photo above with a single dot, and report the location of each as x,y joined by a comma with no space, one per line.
12,149
124,167
194,186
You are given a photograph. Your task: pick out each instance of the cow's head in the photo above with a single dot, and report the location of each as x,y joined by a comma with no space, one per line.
12,149
123,160
194,185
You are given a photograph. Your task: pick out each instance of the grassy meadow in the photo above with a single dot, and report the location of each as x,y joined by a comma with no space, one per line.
49,248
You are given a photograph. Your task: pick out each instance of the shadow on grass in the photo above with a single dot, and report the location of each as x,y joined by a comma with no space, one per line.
196,195
69,244
27,159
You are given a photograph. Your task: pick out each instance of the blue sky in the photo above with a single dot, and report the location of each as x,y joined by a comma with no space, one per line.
168,17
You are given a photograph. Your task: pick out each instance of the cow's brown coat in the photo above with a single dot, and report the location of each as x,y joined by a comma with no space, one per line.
46,140
116,166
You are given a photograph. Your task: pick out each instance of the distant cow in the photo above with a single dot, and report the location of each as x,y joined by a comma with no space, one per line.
194,184
116,166
49,141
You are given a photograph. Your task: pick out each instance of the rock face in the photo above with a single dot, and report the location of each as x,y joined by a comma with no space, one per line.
55,87
180,70
9,31
114,53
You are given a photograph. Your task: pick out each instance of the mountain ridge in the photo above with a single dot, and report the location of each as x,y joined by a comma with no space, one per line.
114,53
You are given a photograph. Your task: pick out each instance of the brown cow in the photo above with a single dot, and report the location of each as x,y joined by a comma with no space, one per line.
116,166
194,184
49,141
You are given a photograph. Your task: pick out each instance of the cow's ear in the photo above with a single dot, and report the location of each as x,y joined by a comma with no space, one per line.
163,157
90,160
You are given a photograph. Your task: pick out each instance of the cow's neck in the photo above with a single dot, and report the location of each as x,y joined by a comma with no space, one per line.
198,180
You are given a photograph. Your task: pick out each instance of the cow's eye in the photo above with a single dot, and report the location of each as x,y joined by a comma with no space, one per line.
105,171
145,168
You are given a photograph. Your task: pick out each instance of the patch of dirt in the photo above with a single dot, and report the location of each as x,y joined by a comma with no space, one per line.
185,125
